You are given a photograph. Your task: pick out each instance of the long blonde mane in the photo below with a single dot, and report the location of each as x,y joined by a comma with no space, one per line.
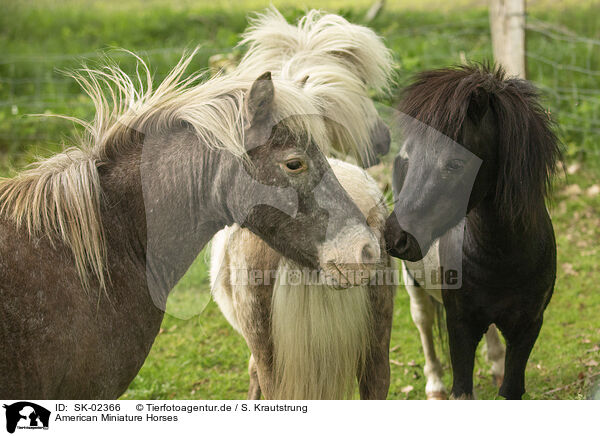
340,64
328,38
61,196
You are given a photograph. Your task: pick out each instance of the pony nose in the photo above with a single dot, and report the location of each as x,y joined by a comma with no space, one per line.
368,253
383,139
401,242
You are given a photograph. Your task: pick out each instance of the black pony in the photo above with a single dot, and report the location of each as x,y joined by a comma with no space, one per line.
481,145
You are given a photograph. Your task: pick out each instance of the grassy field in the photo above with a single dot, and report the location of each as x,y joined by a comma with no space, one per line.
197,355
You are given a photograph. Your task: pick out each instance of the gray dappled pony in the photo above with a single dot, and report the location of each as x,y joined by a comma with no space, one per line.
94,238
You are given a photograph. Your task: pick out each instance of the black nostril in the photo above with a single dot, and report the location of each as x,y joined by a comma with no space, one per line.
401,241
367,254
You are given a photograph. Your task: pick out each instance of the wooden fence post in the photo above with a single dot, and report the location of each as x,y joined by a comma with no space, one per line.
507,23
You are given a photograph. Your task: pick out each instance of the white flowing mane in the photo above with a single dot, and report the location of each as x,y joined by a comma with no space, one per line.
338,62
272,41
214,108
60,196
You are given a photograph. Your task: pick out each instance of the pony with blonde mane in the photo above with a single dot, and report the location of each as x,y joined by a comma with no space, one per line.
308,341
93,239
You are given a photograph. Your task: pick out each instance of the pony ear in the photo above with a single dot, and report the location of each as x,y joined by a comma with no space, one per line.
259,99
352,58
478,106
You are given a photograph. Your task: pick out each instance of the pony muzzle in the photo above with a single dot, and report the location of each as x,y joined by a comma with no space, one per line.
351,259
400,243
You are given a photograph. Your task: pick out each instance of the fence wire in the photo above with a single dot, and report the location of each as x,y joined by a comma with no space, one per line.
565,65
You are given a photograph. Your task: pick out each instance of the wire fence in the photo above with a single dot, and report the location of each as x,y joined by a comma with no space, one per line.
564,64
567,68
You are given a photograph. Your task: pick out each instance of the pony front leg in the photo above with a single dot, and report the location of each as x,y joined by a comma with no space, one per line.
374,379
464,333
520,338
253,308
495,354
260,367
422,312
254,387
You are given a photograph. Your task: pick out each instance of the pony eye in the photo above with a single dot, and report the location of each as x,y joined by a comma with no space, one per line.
455,164
295,166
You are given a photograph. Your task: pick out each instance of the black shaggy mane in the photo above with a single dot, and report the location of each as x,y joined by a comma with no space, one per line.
528,147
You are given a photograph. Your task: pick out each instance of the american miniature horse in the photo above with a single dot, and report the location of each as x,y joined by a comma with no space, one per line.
484,203
309,341
94,238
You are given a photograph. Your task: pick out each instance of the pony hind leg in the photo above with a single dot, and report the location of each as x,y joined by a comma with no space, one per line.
496,354
423,313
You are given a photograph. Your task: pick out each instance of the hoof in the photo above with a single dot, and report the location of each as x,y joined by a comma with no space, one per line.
437,396
498,379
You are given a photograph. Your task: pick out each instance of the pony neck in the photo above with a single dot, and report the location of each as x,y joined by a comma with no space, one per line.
168,198
488,231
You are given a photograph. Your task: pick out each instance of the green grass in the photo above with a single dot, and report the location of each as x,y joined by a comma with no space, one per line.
197,355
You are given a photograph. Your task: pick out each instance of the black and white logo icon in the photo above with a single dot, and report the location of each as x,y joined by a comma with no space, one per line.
26,415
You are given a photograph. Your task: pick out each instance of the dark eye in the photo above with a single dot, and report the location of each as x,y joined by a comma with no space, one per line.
295,166
455,164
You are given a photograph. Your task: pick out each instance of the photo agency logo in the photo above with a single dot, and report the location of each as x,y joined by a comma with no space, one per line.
24,415
291,276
